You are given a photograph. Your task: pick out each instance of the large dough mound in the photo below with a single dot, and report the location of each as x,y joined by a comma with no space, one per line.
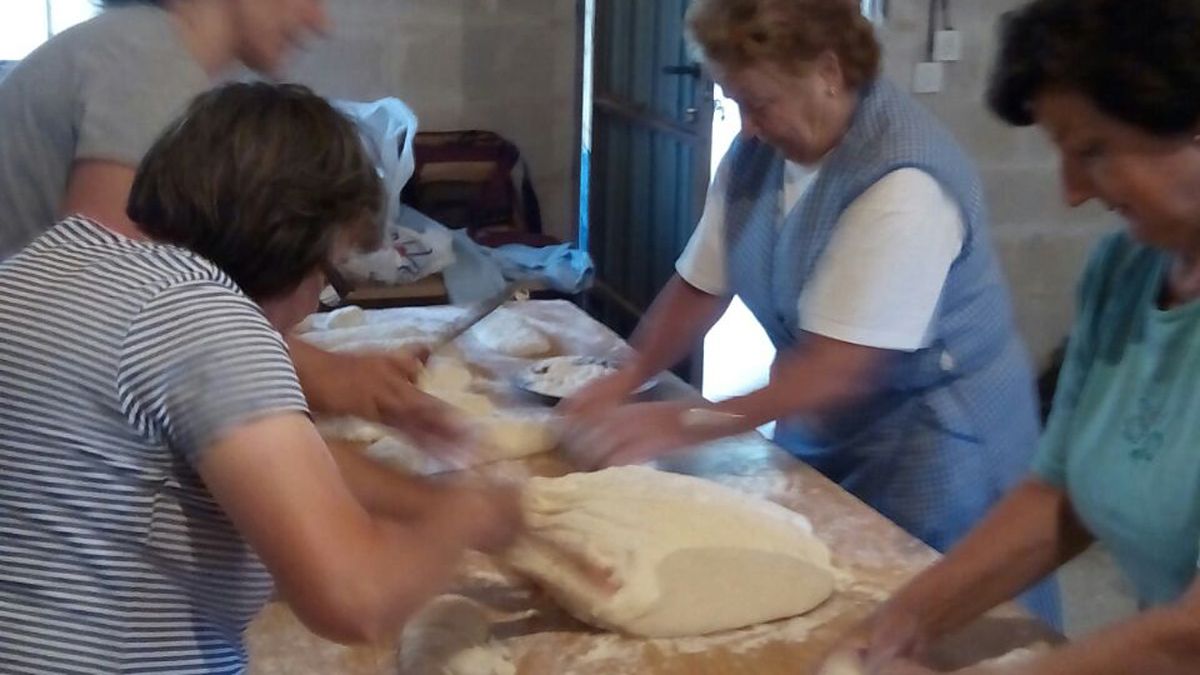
684,556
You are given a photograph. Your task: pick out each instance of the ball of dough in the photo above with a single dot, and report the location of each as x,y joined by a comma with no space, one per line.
351,316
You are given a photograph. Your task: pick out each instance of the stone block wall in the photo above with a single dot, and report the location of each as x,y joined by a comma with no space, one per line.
1042,242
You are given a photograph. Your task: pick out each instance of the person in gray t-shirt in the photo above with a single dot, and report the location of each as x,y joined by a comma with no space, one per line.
77,115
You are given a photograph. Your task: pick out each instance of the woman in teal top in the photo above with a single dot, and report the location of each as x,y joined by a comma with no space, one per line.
1115,85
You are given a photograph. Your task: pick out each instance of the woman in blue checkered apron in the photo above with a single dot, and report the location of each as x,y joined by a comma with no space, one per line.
853,227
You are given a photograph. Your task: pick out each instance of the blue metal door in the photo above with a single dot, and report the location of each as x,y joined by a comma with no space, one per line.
651,130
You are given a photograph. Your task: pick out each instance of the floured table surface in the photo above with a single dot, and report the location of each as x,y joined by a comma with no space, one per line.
873,557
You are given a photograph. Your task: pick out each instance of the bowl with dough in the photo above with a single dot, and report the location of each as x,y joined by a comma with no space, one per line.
561,377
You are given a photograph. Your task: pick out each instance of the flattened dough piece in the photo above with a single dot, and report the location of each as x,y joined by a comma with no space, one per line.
685,556
501,434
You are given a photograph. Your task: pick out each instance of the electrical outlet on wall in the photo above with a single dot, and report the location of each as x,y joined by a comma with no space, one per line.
928,78
947,45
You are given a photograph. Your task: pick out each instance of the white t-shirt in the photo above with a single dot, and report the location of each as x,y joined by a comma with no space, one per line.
879,281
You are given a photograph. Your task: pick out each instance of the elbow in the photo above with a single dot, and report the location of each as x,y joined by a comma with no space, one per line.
341,622
353,612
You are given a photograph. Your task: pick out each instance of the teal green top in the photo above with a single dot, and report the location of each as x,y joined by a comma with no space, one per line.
1124,435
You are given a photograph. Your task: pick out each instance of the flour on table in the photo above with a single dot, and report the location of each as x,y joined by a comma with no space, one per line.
507,332
564,376
683,556
452,636
367,338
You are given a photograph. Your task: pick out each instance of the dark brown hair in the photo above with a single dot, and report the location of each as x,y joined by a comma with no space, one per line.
260,179
1138,62
788,33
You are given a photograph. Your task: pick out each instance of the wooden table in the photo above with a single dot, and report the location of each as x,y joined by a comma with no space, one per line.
430,290
873,557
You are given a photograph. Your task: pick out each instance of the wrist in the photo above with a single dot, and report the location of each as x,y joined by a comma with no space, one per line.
912,615
706,422
635,371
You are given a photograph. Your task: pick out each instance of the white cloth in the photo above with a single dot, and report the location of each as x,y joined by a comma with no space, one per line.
879,282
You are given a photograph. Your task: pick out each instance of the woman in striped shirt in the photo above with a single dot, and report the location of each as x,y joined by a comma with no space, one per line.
159,472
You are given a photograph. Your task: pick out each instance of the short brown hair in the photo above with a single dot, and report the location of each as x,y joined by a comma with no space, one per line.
260,179
788,33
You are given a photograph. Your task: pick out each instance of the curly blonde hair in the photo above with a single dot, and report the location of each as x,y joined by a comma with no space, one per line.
788,33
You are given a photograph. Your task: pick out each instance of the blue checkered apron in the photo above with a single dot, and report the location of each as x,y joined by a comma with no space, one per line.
951,427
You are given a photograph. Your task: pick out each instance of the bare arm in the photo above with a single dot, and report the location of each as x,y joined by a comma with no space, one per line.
679,316
1163,641
100,190
381,489
1027,536
349,576
817,377
375,387
675,322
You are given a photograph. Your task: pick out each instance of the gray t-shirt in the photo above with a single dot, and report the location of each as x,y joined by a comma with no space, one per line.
102,90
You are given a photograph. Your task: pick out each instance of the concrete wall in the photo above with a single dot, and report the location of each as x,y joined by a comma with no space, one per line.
509,65
503,65
1043,243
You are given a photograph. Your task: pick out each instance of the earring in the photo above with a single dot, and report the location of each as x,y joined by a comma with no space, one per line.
833,92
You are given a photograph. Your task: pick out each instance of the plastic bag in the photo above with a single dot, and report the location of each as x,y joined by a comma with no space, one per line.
414,245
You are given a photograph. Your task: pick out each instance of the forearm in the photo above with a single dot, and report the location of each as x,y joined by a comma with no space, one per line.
672,327
1027,536
385,571
311,367
1164,642
413,562
381,489
816,378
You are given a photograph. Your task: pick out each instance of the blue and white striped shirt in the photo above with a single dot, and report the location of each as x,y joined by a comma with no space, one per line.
120,362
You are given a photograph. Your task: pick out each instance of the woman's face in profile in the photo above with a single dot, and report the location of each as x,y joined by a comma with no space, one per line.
1153,181
268,31
790,109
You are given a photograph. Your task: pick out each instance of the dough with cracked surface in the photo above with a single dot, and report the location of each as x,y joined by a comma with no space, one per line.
682,555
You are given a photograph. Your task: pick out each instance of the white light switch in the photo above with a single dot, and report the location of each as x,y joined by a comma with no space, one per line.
928,78
947,45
